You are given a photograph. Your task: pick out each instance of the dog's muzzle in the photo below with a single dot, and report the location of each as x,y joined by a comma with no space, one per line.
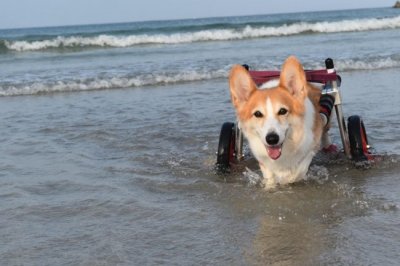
273,149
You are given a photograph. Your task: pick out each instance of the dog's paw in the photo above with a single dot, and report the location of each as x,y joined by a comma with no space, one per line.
269,184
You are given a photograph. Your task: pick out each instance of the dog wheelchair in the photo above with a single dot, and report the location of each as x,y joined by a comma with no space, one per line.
354,137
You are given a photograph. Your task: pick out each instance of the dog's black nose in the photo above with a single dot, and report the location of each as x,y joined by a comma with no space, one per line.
272,138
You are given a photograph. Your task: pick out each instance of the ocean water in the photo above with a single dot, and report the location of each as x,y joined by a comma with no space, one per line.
109,134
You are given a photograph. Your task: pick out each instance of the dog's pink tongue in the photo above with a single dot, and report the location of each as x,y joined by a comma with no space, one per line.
274,152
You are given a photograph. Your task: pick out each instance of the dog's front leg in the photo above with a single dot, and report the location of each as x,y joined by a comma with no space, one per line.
268,181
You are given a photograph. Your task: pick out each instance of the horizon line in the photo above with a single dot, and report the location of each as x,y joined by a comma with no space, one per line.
182,19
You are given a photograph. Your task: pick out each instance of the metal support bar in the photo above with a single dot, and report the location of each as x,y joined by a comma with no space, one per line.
239,143
343,130
330,68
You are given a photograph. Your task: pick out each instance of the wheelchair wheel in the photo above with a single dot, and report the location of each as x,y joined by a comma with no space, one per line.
358,139
226,145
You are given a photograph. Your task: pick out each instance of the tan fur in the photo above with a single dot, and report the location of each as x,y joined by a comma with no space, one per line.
291,93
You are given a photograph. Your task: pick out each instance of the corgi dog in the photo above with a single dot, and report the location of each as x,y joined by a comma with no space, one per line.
282,124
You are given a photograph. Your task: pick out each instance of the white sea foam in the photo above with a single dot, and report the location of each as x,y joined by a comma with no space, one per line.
108,83
345,65
207,35
360,64
97,83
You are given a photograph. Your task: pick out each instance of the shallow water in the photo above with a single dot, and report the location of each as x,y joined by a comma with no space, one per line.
109,157
122,177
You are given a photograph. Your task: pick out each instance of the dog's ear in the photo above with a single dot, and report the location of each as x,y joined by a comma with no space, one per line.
293,78
241,85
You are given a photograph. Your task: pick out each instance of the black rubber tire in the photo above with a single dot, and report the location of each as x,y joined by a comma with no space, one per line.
226,145
358,139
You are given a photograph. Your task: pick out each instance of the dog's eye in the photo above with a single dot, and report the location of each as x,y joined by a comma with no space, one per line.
258,114
282,111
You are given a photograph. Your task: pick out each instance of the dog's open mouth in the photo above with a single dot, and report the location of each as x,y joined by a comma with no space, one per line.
274,152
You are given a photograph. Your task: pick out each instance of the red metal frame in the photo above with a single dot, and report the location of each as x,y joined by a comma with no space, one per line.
319,76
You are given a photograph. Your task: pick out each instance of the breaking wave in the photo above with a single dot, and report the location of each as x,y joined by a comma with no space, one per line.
371,63
107,83
382,63
154,79
223,34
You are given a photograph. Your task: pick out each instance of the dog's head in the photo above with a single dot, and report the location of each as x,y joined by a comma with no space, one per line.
269,115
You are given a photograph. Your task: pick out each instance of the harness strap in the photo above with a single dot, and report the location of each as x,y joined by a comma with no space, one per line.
326,103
